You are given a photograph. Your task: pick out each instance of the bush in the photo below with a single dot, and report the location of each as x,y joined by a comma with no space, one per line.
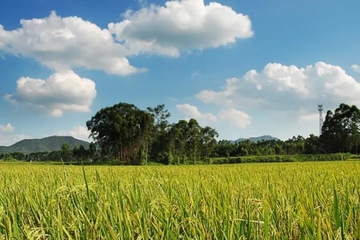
282,158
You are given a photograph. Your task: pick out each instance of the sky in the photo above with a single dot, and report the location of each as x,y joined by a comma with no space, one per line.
246,68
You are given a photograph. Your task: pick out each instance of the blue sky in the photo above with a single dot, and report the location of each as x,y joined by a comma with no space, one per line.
245,68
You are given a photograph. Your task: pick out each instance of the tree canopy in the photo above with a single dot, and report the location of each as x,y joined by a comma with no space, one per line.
121,131
132,136
340,131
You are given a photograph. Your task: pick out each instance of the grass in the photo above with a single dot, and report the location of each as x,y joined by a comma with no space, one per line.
314,200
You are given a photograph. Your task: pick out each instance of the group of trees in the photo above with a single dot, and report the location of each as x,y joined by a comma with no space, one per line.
132,136
129,135
135,136
294,145
340,133
154,139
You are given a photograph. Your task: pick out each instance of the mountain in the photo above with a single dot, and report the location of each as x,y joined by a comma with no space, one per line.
47,144
257,139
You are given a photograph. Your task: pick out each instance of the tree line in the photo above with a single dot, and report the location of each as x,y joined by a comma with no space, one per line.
125,134
339,134
77,154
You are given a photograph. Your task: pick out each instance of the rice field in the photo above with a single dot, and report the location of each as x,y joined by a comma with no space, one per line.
314,200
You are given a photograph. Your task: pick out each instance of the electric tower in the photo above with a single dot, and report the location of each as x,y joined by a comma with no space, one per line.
320,108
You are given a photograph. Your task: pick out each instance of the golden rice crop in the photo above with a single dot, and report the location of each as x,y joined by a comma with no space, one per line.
317,200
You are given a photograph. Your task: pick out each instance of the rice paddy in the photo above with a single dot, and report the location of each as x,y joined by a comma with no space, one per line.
313,200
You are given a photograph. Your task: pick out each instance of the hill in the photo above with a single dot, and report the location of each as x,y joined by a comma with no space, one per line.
257,139
47,144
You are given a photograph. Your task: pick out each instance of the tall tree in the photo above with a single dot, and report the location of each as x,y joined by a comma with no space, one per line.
340,130
312,145
92,151
177,137
122,131
187,140
158,149
161,116
208,141
66,154
193,140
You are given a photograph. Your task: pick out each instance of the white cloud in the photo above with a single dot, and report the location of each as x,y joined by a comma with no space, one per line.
235,117
231,116
181,25
7,140
63,43
193,112
356,68
6,128
62,91
287,88
78,132
222,97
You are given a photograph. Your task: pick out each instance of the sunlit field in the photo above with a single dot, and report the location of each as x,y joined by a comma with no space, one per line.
314,200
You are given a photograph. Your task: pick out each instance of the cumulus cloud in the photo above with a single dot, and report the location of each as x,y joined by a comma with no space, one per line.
9,139
193,112
222,97
181,25
78,132
235,117
63,43
6,128
62,91
356,68
231,116
287,88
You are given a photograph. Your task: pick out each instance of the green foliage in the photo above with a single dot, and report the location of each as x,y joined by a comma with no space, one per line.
122,131
283,158
134,136
341,129
190,143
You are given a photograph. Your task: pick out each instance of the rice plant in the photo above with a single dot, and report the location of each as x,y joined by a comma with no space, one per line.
314,200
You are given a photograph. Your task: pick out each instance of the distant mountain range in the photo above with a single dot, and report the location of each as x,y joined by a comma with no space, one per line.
257,139
47,144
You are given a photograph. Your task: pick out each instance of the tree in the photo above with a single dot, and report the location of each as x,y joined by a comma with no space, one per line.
122,132
193,140
160,115
187,140
80,153
224,148
92,152
208,141
340,130
312,145
158,139
66,154
76,153
177,141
